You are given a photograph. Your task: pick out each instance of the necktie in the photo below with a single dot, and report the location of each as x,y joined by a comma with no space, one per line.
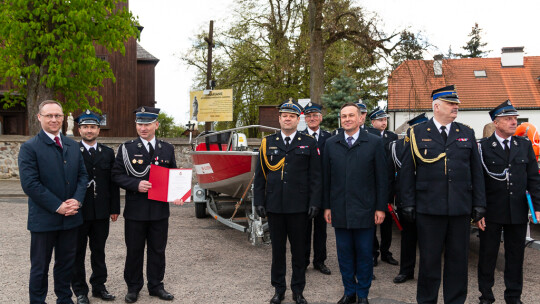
150,149
57,141
287,140
506,149
92,152
315,135
350,141
443,134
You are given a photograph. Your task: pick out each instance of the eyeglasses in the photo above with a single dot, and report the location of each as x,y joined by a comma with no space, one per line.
51,116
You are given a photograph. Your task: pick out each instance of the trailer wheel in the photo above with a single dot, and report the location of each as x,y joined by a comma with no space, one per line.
200,210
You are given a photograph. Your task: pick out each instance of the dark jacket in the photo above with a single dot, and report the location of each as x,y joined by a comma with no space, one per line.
355,180
450,187
138,206
49,176
387,137
298,186
323,136
507,201
393,162
102,198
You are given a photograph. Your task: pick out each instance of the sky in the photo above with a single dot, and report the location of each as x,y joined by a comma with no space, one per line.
171,25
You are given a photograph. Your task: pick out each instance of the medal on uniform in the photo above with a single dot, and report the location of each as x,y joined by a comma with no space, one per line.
425,151
457,130
140,161
134,161
157,163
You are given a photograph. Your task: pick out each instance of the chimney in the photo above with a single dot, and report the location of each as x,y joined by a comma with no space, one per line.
512,56
437,65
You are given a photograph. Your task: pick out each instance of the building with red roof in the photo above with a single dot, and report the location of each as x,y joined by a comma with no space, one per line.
481,84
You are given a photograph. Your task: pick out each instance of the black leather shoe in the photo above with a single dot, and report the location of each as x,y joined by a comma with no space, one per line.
363,301
277,298
390,260
299,299
347,299
82,299
401,278
131,297
322,268
162,294
375,261
103,294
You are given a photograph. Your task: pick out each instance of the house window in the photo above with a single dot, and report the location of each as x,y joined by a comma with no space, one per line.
522,120
480,74
103,120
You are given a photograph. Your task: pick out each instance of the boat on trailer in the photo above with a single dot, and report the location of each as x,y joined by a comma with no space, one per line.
225,169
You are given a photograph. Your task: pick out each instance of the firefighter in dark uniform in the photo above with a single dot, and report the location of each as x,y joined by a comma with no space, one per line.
102,201
288,182
379,120
510,169
313,116
408,234
442,186
147,221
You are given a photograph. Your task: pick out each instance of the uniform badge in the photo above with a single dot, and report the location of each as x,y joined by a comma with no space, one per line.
299,138
157,163
509,103
140,161
515,142
385,135
463,139
407,138
277,138
99,149
429,129
82,149
457,130
142,110
426,139
159,145
134,161
87,111
494,144
139,145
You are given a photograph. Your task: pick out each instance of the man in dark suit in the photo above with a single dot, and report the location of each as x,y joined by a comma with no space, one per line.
510,170
442,186
408,234
53,176
313,116
288,192
379,120
355,196
147,221
102,201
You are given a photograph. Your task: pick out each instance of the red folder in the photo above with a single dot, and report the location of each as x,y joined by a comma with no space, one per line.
159,178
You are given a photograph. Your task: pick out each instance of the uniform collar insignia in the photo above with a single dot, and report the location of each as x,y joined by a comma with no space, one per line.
515,142
139,145
142,110
159,145
82,149
99,149
494,144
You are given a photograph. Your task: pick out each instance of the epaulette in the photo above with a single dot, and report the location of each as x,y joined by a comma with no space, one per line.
131,141
308,135
483,139
460,123
522,137
416,124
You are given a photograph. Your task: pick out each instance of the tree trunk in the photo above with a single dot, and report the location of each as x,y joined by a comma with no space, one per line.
36,93
316,51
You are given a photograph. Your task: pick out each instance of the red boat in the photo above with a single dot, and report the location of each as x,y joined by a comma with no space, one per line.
225,168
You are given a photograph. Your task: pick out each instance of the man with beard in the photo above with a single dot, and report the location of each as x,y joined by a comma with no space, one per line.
102,201
288,191
442,187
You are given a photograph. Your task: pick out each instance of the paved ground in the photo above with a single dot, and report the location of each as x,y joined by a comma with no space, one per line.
209,263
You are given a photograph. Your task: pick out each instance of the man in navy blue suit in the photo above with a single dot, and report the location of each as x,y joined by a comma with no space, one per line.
54,177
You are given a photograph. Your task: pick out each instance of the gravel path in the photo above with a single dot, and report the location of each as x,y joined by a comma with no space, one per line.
210,263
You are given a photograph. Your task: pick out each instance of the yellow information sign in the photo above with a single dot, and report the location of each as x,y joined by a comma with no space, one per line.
217,105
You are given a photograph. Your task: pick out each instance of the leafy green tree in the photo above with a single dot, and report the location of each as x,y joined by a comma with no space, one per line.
411,47
474,46
167,128
47,49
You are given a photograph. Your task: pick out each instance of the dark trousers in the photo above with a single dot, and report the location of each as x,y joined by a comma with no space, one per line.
354,251
94,232
41,248
386,237
438,233
319,240
292,226
409,240
153,234
514,250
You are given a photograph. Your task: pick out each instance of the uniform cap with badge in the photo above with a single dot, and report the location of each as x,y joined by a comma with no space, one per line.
377,113
363,108
504,109
418,119
290,106
146,115
313,108
88,118
447,94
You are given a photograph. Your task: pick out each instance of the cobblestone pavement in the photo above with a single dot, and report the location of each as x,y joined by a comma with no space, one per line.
210,263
